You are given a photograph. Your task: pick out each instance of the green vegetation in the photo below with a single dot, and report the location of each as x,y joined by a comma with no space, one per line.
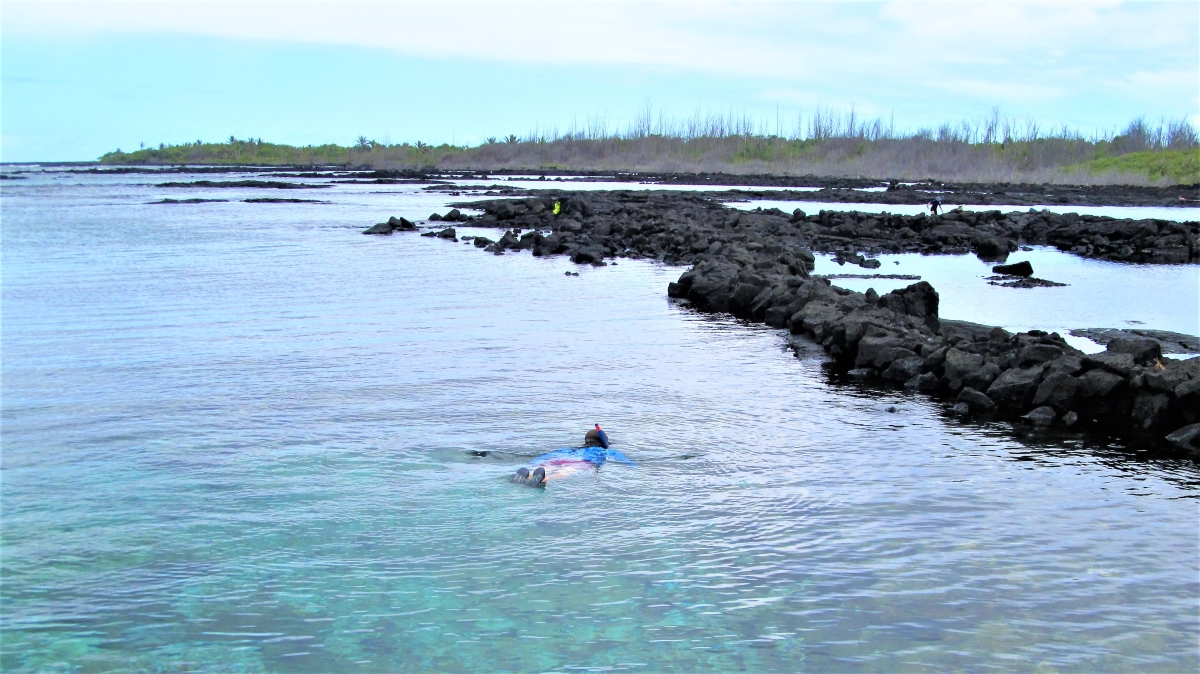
1177,166
254,152
991,150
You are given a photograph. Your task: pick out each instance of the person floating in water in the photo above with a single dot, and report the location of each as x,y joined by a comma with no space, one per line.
563,462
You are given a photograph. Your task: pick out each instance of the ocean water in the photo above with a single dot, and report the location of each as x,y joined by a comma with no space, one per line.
244,437
1094,294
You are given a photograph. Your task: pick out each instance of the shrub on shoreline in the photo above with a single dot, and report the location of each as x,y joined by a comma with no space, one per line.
992,151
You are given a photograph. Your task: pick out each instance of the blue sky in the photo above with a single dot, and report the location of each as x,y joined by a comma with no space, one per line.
81,79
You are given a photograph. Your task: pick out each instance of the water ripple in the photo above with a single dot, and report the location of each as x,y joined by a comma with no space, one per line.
253,439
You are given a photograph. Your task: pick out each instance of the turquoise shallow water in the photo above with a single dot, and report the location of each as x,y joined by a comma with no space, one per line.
243,437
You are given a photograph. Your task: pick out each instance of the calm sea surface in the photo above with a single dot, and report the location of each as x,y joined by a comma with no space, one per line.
244,437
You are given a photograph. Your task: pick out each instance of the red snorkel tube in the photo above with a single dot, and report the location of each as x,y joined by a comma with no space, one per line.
603,437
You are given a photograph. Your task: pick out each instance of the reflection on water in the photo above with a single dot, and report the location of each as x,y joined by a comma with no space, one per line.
246,437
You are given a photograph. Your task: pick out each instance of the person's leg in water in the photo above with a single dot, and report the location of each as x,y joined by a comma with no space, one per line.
561,470
550,472
558,469
538,477
534,478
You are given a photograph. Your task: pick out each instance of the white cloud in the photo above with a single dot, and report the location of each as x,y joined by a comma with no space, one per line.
1017,54
768,38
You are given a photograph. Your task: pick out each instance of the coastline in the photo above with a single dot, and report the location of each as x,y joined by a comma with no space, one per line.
836,189
756,265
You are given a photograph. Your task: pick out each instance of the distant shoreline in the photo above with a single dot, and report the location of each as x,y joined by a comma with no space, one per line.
828,189
1141,155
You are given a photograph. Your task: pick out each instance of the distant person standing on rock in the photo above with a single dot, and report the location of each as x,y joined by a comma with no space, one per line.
934,205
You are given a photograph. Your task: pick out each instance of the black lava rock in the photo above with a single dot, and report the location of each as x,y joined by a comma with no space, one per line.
1022,268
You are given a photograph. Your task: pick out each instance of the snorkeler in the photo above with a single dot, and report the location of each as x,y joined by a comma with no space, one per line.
563,462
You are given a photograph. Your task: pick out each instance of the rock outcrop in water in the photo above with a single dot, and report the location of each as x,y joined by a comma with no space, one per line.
756,265
835,189
393,224
851,190
261,184
1130,389
1170,342
680,227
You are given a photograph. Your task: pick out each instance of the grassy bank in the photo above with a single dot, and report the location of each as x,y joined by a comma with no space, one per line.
991,151
1176,166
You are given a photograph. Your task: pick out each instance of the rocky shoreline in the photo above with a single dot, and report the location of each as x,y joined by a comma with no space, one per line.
830,188
851,190
860,191
756,265
679,228
1130,389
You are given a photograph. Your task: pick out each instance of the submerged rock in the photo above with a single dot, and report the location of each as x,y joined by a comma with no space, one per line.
1030,282
1187,437
1041,416
976,401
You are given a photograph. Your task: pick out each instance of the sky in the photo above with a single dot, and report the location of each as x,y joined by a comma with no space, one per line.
84,78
